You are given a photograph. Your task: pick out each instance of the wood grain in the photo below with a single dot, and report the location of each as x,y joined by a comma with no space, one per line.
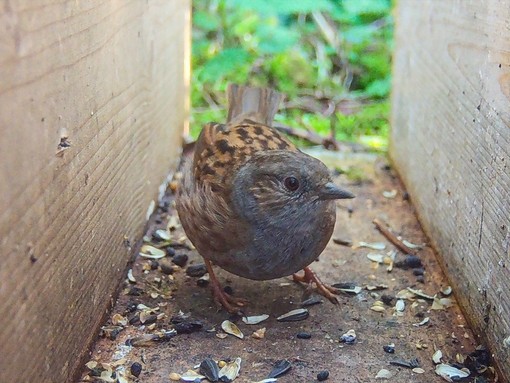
451,144
113,77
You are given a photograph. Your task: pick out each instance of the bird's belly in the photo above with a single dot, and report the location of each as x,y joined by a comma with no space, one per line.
267,259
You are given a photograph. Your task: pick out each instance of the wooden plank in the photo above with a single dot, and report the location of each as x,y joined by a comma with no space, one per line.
451,144
114,76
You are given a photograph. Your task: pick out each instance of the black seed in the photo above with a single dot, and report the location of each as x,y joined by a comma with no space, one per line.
170,251
210,370
420,279
418,271
166,267
413,363
135,291
154,264
131,307
188,327
323,375
410,262
313,300
196,270
180,260
405,196
390,348
202,282
303,335
136,369
281,367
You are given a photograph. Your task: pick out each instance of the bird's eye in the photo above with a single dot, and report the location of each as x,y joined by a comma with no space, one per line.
291,183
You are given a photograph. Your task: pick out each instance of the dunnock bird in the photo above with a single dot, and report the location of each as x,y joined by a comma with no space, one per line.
254,204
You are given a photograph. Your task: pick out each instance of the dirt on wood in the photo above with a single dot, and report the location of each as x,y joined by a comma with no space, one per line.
183,302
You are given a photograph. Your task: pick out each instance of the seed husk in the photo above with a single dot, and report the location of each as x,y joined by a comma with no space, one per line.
259,334
373,245
280,367
437,357
349,337
191,376
422,323
347,287
209,368
420,294
446,291
231,370
384,374
162,235
232,329
294,316
256,319
148,251
378,309
375,257
400,305
174,376
450,373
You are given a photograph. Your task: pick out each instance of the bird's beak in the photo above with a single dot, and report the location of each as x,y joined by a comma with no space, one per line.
331,191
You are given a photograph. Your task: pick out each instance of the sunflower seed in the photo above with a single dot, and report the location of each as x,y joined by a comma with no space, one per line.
281,367
294,316
209,368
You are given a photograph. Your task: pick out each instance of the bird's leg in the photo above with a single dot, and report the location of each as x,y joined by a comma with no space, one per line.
220,296
310,277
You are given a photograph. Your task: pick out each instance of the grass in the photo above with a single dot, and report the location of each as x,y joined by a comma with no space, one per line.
332,58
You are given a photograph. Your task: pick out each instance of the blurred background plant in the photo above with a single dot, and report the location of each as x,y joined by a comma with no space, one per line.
332,58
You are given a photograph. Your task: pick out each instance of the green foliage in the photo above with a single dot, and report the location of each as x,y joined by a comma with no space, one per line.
330,50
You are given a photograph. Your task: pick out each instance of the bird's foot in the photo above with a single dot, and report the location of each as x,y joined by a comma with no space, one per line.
310,277
229,303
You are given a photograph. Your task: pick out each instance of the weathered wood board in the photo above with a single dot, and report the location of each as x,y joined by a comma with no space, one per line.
113,77
451,144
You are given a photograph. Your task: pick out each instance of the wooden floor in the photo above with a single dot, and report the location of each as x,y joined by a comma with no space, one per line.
178,294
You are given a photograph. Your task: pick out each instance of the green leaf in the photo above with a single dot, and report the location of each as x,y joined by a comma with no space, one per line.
275,39
283,7
226,62
379,88
367,7
205,21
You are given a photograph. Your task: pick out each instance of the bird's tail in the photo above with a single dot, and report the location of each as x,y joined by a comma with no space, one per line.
257,104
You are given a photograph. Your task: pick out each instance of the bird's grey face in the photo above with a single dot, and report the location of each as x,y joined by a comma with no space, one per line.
284,185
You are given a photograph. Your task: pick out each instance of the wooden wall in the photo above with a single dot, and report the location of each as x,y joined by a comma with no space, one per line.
112,76
451,144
